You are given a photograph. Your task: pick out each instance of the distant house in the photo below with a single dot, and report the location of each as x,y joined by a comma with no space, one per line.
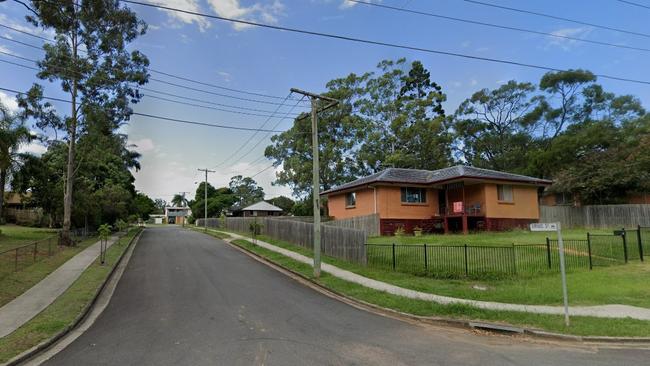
261,208
177,215
455,199
157,218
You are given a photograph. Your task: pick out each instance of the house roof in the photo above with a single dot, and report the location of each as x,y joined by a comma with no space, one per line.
417,176
262,206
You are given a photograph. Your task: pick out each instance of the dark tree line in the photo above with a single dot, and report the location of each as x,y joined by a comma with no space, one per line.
593,143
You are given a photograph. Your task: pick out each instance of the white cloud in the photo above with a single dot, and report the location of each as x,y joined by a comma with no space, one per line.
257,11
35,148
9,101
20,25
473,82
348,4
143,145
564,43
7,50
225,75
189,5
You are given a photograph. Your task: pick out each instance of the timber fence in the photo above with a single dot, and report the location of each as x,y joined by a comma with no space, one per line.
339,242
597,216
368,224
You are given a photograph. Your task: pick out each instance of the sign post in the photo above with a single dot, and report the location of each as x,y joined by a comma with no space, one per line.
555,226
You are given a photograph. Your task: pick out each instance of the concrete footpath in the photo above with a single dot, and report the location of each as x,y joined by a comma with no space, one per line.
599,311
26,306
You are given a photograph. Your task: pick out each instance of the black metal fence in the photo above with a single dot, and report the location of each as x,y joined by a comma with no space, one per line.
451,261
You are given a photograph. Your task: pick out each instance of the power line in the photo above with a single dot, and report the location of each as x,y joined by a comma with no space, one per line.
394,8
208,107
263,137
634,4
152,70
550,16
379,43
261,171
253,135
154,91
169,119
206,101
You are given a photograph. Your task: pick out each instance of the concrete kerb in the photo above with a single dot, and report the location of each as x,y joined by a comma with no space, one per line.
43,346
502,328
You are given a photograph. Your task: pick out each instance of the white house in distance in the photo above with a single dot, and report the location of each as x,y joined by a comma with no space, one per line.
261,208
177,215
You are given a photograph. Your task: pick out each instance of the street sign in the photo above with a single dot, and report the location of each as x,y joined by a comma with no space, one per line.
545,226
555,226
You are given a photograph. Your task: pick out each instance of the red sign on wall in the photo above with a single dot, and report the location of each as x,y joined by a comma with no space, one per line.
458,207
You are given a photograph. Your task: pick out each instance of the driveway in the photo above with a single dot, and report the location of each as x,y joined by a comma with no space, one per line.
189,299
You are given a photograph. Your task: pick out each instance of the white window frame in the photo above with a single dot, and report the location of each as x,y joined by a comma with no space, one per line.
505,193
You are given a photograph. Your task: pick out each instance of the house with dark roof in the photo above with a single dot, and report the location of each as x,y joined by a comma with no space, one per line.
456,199
261,208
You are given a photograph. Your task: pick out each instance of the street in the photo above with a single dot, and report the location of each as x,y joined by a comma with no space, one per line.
189,299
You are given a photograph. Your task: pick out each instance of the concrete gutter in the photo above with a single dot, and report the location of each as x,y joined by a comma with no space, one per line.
31,356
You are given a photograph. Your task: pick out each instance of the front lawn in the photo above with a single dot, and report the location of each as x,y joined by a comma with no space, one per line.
621,284
488,238
12,236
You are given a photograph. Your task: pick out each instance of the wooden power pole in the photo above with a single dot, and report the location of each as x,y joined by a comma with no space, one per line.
205,198
316,167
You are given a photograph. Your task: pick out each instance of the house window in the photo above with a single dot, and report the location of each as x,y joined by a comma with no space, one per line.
414,195
563,199
351,199
504,193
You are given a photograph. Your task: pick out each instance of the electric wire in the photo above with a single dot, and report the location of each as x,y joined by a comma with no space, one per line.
492,25
379,43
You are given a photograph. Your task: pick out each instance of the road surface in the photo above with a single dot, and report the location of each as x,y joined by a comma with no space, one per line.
189,299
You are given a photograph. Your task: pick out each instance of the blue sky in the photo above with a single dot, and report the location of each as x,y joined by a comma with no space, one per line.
271,62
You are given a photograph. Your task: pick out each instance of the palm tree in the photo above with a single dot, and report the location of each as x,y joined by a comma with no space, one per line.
13,134
179,200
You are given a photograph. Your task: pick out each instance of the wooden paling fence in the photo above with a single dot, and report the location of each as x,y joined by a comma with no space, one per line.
339,242
597,216
368,224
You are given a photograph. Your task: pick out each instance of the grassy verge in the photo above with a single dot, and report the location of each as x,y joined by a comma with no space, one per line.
64,310
624,284
12,236
580,325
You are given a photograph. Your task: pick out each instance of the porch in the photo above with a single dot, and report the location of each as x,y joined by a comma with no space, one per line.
462,207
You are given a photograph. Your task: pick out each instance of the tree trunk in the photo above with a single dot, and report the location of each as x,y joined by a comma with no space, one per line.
3,181
70,168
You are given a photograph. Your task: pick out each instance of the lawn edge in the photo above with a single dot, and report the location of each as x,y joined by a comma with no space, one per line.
440,321
45,345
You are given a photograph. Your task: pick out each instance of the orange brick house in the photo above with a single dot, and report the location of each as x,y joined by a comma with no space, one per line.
455,199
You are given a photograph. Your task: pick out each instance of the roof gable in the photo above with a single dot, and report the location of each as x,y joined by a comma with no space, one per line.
262,206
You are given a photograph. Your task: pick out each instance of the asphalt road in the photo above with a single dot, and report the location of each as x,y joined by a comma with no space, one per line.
189,299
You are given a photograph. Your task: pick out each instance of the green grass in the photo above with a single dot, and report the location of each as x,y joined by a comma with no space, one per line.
12,284
12,236
488,238
64,310
579,325
624,284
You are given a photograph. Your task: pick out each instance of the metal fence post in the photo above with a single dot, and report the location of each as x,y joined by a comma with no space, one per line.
393,256
466,262
591,266
35,249
624,245
16,261
638,236
426,264
548,251
49,247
